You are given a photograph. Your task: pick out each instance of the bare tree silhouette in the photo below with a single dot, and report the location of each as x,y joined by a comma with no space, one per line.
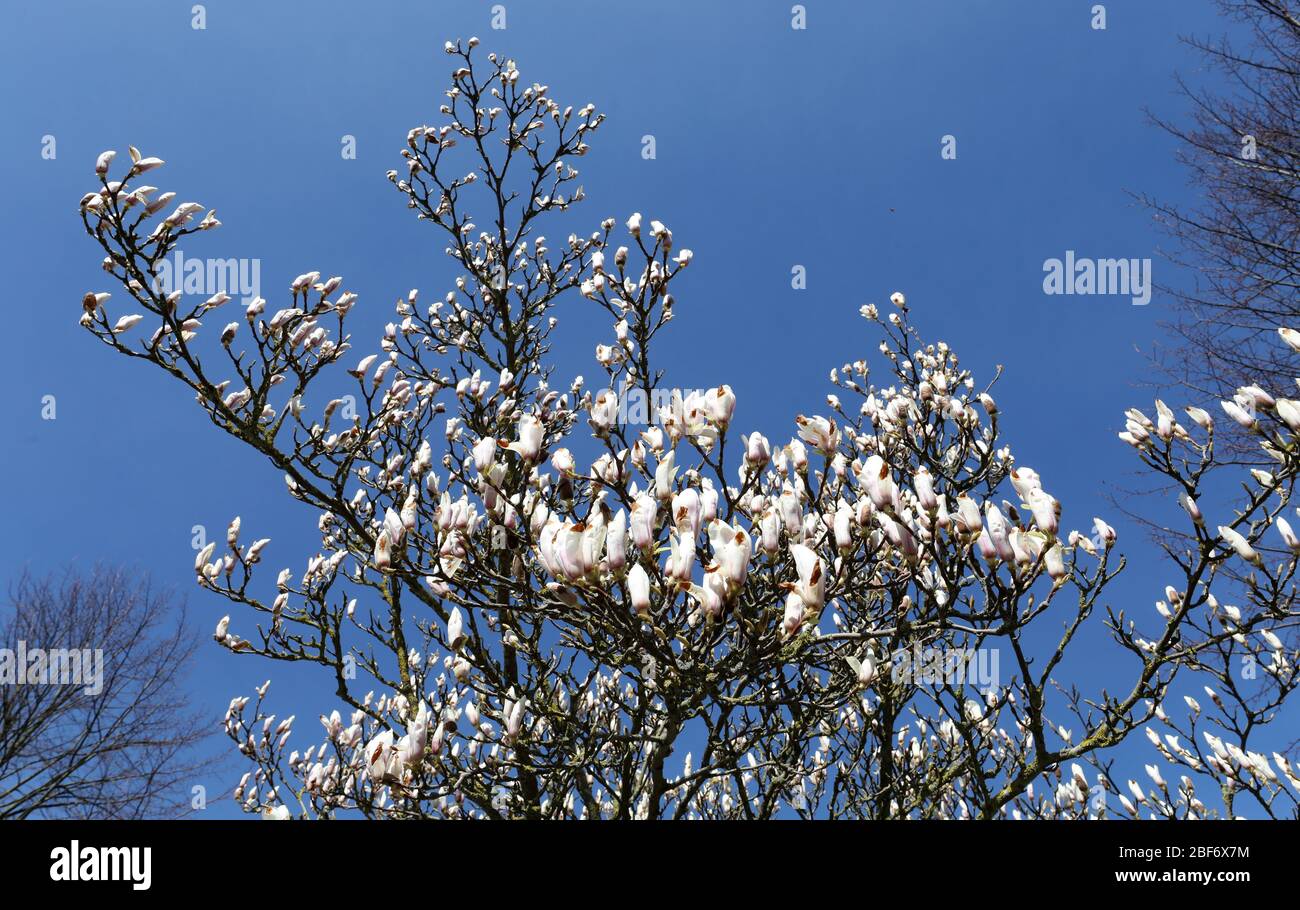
92,739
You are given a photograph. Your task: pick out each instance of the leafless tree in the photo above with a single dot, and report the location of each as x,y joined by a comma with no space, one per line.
1240,245
98,725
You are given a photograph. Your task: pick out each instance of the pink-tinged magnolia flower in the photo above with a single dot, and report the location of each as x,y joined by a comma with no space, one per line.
1055,562
644,511
1255,397
712,595
688,417
879,481
394,526
485,451
1046,511
203,556
708,504
591,544
563,462
382,760
796,455
1191,508
1154,773
923,485
1291,337
997,526
411,747
360,370
440,731
546,548
304,281
103,161
182,214
665,473
1201,418
769,528
1025,481
1165,424
145,165
1289,411
455,629
842,526
383,551
216,300
1288,536
604,413
126,322
1240,545
686,511
616,543
568,551
968,516
794,614
515,719
529,445
731,549
638,589
681,558
899,535
1024,549
1240,415
942,518
757,451
1104,531
223,626
333,725
791,514
866,669
819,432
811,586
720,404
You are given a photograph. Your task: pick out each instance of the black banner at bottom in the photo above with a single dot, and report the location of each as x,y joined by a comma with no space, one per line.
253,859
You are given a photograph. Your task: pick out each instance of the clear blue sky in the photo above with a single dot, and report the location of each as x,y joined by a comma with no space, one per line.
775,147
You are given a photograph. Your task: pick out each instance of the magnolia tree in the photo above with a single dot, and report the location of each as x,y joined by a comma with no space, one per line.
526,606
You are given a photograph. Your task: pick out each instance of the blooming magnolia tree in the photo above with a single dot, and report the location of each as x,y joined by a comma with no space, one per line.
526,607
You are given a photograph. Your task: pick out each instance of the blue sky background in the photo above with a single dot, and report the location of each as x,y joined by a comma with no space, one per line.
775,147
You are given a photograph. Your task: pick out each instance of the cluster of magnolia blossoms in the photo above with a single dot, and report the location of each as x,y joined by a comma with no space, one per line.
880,514
650,521
1258,412
1257,533
707,557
